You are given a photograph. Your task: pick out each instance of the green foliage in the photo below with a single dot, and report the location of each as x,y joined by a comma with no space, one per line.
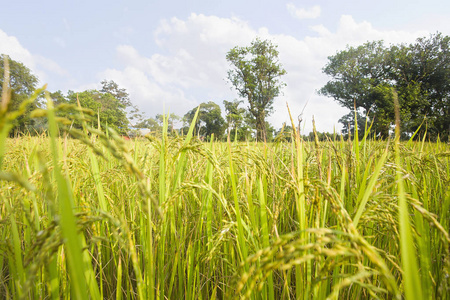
363,76
356,73
349,123
112,88
237,127
171,119
234,114
321,136
111,111
255,74
151,123
173,218
58,97
111,102
423,82
121,94
22,83
209,121
108,106
285,133
178,219
155,125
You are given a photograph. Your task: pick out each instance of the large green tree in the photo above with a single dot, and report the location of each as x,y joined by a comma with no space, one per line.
255,74
110,110
422,77
209,120
363,77
22,83
109,103
121,94
358,73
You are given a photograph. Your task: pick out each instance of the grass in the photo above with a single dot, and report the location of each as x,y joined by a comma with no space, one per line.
85,214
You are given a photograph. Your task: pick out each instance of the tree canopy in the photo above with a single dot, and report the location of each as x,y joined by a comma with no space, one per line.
236,118
110,110
209,120
363,76
22,83
255,74
121,94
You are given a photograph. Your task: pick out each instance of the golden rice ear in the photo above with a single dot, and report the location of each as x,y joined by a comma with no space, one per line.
86,213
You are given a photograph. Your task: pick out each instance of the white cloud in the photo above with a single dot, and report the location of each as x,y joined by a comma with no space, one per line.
10,45
151,97
191,68
39,65
49,65
303,13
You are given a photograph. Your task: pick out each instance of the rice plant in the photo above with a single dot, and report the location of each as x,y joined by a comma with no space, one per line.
86,214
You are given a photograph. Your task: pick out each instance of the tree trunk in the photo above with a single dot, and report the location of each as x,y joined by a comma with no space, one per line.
260,127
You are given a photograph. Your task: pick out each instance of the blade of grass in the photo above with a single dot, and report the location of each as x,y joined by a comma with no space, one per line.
67,217
369,188
16,265
265,232
242,247
162,200
412,283
301,284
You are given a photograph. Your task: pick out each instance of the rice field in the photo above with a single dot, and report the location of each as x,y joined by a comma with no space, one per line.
85,214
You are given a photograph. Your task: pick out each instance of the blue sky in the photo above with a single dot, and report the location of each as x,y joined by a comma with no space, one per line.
171,54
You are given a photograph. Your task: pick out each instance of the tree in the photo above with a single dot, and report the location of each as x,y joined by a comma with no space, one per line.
171,119
22,84
110,87
357,75
321,136
348,122
156,124
255,74
285,133
151,123
58,97
363,77
422,77
111,111
121,94
235,118
209,120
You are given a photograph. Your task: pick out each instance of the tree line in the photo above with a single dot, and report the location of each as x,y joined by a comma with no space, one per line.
362,79
111,103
